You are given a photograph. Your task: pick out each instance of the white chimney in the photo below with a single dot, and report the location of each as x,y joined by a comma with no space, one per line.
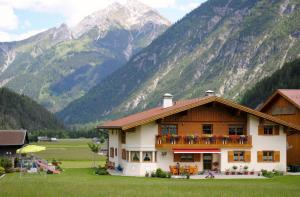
210,93
167,100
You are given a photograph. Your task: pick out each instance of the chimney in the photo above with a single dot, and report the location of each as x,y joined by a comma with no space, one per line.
167,100
210,93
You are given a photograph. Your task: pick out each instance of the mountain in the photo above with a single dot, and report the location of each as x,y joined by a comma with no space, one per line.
21,112
223,45
63,63
285,78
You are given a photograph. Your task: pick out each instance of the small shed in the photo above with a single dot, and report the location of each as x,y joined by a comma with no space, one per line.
11,140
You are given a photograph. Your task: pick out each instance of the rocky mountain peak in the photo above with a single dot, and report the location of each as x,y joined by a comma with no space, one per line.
131,14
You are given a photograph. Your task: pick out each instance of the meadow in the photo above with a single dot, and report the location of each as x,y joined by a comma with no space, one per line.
78,179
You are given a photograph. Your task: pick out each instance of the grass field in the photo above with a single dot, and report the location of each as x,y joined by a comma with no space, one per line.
73,153
78,180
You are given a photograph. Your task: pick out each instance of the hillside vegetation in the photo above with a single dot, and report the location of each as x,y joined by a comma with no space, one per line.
223,45
288,77
21,112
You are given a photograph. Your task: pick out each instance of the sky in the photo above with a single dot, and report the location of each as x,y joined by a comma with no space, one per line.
20,19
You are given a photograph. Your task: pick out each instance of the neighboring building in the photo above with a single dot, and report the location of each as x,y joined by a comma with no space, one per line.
11,140
285,104
203,132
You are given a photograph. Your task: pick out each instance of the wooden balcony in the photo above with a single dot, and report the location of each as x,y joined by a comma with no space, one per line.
235,141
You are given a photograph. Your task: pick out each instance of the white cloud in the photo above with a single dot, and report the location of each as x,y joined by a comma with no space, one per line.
8,19
6,37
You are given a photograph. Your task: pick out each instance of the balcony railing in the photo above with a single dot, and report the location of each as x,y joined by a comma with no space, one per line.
203,141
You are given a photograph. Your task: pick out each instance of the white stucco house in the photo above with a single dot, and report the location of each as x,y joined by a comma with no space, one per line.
210,133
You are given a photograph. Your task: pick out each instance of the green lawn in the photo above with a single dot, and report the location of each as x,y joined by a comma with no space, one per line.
83,182
79,180
74,153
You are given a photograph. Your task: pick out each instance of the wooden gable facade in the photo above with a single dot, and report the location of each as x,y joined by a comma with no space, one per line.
219,116
280,107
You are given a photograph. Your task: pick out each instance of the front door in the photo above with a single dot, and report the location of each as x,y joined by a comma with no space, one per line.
207,161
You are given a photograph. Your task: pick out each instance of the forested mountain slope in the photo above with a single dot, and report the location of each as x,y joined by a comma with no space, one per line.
21,112
288,77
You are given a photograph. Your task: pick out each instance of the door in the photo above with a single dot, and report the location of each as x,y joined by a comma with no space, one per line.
207,161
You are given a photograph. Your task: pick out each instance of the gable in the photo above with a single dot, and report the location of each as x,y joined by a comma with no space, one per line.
280,106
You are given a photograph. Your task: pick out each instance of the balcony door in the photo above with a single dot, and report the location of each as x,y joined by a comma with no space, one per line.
207,161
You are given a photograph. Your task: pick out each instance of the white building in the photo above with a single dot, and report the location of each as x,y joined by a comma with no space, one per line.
211,133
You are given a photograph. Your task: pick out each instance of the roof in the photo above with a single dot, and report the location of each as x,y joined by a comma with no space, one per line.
292,95
179,106
12,137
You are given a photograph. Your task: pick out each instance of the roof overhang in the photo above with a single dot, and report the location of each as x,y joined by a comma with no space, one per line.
199,103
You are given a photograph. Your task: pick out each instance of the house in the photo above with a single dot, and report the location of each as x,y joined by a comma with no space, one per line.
11,140
208,132
284,104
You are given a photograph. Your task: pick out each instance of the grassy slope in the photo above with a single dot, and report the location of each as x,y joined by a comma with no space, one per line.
82,182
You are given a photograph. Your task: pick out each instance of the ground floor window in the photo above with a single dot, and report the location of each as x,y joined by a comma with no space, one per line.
111,152
135,156
147,156
186,157
239,156
123,154
268,155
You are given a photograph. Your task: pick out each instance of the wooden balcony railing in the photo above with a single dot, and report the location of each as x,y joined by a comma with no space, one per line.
165,141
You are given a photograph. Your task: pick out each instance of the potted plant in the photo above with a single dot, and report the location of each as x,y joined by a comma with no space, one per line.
190,138
216,164
174,138
246,170
234,170
227,171
252,172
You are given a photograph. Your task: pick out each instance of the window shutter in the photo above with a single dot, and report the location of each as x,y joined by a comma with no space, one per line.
197,157
261,129
276,156
259,156
247,156
176,157
230,156
276,130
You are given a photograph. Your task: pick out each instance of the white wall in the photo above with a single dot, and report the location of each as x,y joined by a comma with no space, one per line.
259,143
114,141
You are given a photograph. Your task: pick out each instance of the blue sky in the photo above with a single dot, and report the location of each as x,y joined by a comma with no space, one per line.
20,19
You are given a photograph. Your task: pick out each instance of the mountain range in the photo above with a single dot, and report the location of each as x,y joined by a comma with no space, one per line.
223,45
63,63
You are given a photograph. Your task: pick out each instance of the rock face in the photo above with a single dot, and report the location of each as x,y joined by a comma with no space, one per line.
63,63
224,45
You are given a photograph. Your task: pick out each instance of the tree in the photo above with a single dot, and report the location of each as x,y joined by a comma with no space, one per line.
95,149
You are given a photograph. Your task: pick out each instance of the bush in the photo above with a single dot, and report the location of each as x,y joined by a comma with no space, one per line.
153,174
6,164
101,171
270,174
2,170
147,174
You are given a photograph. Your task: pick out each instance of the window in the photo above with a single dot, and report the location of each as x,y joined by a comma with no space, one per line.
268,130
236,130
116,152
168,129
186,157
207,129
111,152
135,156
127,155
268,155
123,137
239,156
147,156
123,154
